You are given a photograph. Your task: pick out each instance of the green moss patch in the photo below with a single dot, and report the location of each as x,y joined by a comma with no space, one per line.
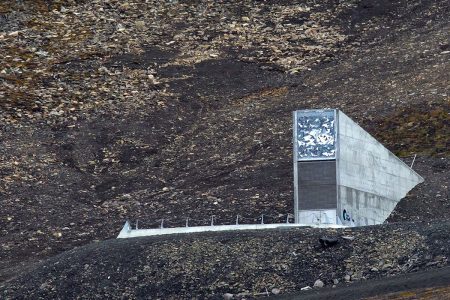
424,130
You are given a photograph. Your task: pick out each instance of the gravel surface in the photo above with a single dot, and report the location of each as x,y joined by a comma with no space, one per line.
245,264
143,110
429,284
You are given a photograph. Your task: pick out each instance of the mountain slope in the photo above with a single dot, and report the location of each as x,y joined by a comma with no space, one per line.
113,110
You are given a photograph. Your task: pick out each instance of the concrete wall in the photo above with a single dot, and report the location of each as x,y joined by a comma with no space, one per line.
371,180
363,208
319,216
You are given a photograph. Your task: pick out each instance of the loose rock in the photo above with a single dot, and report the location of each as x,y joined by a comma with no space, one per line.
318,283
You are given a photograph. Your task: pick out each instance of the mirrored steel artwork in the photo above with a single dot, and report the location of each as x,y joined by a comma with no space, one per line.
316,136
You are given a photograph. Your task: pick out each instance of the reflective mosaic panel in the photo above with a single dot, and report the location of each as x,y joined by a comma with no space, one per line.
316,134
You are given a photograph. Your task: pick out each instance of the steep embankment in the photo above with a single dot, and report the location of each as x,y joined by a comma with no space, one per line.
163,109
246,263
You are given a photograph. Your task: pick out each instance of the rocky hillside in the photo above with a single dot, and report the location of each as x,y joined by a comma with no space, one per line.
244,264
142,110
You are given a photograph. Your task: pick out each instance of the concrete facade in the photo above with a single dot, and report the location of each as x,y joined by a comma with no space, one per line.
371,180
365,183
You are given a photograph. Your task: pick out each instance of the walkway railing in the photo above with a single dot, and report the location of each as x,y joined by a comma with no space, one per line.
191,225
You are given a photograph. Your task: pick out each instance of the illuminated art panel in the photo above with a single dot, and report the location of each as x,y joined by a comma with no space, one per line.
316,134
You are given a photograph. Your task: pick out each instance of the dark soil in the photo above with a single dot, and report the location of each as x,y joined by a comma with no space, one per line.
187,115
246,264
431,285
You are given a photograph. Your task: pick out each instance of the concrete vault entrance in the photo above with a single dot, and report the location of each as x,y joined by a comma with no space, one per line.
342,175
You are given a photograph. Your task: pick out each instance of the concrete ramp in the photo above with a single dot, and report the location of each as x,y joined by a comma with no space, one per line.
343,175
128,232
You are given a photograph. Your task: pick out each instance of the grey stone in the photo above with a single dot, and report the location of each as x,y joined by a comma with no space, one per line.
356,277
318,284
44,286
228,296
275,291
440,258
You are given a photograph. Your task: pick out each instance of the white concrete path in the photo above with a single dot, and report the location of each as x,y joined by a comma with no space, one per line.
127,232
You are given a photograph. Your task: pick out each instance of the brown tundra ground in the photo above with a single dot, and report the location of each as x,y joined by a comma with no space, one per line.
142,110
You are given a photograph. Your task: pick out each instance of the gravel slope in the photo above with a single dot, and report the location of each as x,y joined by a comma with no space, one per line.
241,263
116,110
430,284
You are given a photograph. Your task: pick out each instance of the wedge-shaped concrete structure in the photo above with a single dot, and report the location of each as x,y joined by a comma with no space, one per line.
342,175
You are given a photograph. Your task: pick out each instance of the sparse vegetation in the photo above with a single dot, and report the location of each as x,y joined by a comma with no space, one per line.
114,110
